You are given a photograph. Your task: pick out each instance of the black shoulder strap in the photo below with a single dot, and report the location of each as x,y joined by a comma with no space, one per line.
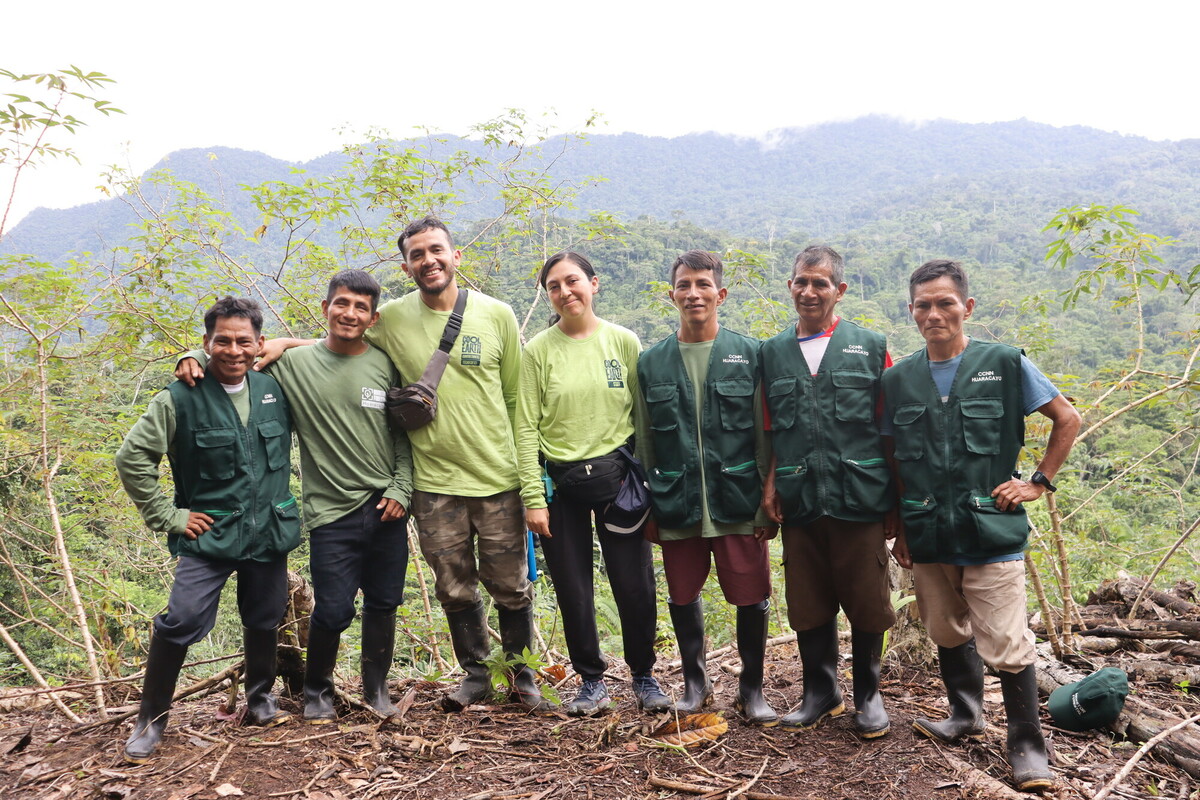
454,324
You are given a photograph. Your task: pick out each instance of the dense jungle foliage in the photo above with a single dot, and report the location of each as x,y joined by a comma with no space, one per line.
95,302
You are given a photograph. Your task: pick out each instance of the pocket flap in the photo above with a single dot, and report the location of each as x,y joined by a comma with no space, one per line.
983,408
270,428
908,414
734,388
782,386
215,437
660,392
852,380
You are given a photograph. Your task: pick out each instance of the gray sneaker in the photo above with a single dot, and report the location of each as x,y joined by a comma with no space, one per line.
649,694
591,699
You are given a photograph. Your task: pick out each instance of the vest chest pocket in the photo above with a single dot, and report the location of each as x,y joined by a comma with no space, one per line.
781,402
981,424
216,453
662,403
853,397
275,443
909,431
736,402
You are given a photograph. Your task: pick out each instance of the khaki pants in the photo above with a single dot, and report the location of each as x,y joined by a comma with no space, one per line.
830,563
986,601
450,528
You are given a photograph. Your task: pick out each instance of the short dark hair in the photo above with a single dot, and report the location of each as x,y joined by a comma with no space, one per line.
356,281
699,259
578,259
420,226
229,306
819,255
939,268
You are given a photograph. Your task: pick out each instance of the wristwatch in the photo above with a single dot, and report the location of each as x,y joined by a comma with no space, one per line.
1039,478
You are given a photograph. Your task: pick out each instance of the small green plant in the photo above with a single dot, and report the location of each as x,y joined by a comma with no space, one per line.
501,669
1184,686
899,601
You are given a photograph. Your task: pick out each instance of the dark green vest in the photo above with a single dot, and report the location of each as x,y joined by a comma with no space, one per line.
952,455
236,474
828,454
732,487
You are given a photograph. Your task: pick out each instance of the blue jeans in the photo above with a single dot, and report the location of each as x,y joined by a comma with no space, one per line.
192,609
358,551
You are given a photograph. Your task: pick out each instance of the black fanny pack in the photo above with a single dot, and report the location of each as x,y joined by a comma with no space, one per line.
415,405
594,481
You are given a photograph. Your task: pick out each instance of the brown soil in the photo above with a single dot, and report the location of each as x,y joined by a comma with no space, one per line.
494,752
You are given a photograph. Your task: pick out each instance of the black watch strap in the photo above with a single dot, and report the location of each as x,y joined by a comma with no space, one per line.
1038,477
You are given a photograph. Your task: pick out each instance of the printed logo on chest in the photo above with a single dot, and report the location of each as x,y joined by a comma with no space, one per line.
613,374
472,351
373,398
857,350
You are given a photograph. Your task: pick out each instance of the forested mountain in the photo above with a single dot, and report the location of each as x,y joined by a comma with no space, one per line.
821,182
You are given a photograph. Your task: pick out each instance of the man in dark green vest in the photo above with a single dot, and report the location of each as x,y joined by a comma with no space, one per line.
954,425
229,444
705,453
830,488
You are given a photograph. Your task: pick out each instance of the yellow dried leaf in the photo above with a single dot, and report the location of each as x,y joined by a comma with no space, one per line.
692,730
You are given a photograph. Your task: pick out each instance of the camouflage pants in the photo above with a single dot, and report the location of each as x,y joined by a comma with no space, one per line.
450,528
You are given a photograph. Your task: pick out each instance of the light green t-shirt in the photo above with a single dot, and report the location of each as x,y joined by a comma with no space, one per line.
137,460
347,452
576,401
469,449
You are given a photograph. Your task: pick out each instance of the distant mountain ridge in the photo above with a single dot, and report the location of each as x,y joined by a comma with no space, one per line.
823,180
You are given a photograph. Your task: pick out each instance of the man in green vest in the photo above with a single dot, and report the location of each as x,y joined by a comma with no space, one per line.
357,480
830,488
954,425
705,453
228,441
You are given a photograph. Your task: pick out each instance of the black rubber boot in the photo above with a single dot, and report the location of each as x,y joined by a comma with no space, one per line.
1026,745
468,633
962,673
688,621
516,636
378,645
158,689
262,707
318,675
752,646
870,717
822,698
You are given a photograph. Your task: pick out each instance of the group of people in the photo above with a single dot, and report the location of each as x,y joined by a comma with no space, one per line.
812,432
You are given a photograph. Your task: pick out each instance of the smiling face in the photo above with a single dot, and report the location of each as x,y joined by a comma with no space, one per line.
816,296
570,289
697,296
431,260
232,347
940,311
348,315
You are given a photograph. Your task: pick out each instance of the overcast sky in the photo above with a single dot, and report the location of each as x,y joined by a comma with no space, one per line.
285,78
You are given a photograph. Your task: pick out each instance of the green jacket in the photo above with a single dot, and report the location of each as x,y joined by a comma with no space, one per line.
237,475
952,455
828,454
733,486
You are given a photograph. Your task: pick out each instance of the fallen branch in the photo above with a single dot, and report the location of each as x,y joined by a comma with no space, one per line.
979,783
1142,751
695,788
1134,628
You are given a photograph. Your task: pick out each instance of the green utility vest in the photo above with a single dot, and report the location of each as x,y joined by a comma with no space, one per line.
237,475
732,484
828,454
951,455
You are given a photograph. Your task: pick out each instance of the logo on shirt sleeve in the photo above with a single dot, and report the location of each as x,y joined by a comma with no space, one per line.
612,372
373,398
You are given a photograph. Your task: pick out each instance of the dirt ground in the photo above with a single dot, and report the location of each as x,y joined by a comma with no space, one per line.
499,753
